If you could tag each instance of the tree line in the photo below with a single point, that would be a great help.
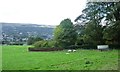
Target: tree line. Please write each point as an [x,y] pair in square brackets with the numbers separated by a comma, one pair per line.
[99,23]
[92,29]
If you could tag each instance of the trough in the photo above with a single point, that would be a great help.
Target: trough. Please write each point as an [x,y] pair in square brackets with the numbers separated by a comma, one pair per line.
[102,47]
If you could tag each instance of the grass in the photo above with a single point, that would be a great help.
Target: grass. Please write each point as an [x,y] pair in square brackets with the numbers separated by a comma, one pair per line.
[18,58]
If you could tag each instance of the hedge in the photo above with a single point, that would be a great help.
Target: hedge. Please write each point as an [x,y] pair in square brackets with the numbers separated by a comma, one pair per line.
[45,49]
[114,46]
[91,47]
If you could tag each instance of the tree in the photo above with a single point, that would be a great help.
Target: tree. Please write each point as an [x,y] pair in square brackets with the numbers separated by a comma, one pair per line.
[90,21]
[65,34]
[93,34]
[111,32]
[92,16]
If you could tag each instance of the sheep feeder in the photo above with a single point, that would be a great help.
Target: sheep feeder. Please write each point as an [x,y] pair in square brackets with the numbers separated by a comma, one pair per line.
[102,47]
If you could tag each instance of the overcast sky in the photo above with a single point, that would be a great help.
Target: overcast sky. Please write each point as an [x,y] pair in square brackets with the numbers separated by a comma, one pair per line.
[48,12]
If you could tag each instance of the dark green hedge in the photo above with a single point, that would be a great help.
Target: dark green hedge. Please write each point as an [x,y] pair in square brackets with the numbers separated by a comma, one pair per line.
[82,47]
[114,46]
[91,47]
[45,49]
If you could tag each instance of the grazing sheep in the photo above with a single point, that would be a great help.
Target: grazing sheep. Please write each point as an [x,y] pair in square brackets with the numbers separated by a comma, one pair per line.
[74,50]
[69,50]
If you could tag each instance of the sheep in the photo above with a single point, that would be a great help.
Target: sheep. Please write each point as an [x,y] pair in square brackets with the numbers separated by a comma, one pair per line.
[69,50]
[74,50]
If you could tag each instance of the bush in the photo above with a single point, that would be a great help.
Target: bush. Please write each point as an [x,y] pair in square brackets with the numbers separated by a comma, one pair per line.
[40,44]
[44,44]
[37,44]
[32,40]
[52,44]
[72,47]
[81,47]
[114,46]
[89,46]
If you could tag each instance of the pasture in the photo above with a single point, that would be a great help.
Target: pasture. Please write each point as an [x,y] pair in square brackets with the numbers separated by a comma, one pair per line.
[19,58]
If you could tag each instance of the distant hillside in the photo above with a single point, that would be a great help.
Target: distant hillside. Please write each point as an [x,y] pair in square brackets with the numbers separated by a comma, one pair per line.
[11,30]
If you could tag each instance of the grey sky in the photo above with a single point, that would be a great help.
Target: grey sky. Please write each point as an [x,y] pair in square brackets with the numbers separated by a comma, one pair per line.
[49,12]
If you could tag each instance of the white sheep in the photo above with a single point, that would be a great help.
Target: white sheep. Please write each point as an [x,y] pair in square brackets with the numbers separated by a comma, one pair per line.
[69,50]
[74,50]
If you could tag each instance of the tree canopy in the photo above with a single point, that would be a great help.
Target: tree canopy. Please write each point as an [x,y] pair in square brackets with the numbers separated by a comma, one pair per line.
[65,34]
[92,18]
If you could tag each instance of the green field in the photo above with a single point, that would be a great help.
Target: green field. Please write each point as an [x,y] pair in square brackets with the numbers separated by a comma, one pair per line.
[18,58]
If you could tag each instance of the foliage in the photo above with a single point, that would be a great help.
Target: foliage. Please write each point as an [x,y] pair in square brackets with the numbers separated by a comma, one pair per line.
[32,40]
[93,34]
[92,18]
[44,44]
[52,43]
[65,34]
[79,40]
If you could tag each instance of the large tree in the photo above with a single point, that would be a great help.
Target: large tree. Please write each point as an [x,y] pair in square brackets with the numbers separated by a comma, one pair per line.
[65,35]
[111,32]
[92,17]
[90,20]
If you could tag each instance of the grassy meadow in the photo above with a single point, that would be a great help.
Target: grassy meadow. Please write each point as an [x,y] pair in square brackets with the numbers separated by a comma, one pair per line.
[19,58]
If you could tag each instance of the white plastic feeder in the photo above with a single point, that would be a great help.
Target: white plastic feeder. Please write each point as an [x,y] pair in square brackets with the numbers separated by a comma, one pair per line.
[102,47]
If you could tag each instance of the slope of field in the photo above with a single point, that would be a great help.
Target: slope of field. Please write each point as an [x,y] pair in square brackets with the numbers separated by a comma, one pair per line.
[18,58]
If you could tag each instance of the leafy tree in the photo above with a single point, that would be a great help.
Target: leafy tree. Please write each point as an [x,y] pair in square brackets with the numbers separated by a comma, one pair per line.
[111,32]
[65,34]
[90,20]
[93,34]
[92,17]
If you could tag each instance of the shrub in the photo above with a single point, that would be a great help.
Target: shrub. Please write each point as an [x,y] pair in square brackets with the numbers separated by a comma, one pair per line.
[52,44]
[114,46]
[37,44]
[40,44]
[45,44]
[81,47]
[32,40]
[89,46]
